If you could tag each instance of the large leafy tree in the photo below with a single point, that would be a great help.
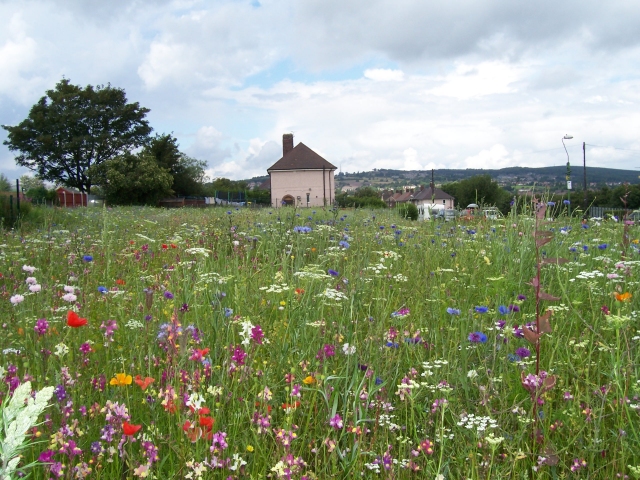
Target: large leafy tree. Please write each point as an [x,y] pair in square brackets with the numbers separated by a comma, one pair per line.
[132,179]
[72,129]
[480,189]
[188,173]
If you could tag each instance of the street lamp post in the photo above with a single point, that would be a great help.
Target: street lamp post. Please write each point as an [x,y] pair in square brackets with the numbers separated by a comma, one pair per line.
[568,177]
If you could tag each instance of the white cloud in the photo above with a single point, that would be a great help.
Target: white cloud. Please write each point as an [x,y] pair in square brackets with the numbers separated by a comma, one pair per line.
[495,157]
[384,75]
[379,84]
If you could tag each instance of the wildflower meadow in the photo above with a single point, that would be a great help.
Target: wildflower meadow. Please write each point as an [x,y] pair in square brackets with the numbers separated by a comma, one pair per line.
[319,343]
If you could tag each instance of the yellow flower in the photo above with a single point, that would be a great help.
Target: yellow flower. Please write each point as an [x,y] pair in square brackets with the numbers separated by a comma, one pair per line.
[309,380]
[249,448]
[121,380]
[283,303]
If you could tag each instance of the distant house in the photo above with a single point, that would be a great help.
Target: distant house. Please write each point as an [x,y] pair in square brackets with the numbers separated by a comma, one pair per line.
[432,196]
[70,197]
[301,177]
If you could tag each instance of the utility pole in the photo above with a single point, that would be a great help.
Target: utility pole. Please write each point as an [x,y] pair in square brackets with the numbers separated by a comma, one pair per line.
[584,163]
[568,137]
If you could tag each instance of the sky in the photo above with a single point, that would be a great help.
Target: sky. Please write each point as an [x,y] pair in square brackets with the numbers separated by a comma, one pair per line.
[400,84]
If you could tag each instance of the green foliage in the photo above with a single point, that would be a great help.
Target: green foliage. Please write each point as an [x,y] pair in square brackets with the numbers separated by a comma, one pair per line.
[72,129]
[9,211]
[133,180]
[235,191]
[481,190]
[42,195]
[5,184]
[188,173]
[408,211]
[366,197]
[28,182]
[259,197]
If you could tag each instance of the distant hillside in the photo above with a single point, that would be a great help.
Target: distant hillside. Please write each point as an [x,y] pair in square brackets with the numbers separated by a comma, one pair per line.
[551,177]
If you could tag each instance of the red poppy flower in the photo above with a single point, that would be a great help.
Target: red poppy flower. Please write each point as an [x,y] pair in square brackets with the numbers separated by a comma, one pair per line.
[287,406]
[173,245]
[144,383]
[74,320]
[204,411]
[119,281]
[165,246]
[129,429]
[258,404]
[206,422]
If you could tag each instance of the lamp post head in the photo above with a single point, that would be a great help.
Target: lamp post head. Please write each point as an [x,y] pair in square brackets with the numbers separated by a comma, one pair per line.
[567,137]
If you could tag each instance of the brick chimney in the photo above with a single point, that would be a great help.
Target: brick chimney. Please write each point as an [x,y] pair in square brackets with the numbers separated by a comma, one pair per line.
[287,143]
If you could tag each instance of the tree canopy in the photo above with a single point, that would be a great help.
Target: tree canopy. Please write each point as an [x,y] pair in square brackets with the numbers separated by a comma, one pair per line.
[5,184]
[479,189]
[72,129]
[132,179]
[188,173]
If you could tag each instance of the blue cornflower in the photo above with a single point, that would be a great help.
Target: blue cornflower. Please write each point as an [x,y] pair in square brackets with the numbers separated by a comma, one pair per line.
[453,311]
[392,345]
[228,312]
[333,273]
[87,258]
[482,309]
[344,244]
[503,310]
[567,202]
[551,204]
[477,337]
[602,246]
[379,381]
[585,247]
[102,289]
[303,229]
[168,295]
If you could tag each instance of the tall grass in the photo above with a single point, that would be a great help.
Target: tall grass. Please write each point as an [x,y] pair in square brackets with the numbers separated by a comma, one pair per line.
[362,346]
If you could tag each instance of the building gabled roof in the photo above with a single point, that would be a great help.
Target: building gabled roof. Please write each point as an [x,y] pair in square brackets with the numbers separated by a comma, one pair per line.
[301,157]
[429,193]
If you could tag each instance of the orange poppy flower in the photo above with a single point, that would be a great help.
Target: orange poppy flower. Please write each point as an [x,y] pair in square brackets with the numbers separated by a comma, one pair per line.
[623,297]
[129,429]
[119,281]
[74,320]
[144,383]
[299,291]
[287,406]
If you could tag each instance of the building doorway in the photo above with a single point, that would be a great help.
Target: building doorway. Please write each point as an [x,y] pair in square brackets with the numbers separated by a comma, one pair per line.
[288,200]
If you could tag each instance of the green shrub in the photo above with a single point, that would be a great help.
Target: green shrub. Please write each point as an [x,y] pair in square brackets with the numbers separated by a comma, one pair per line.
[9,211]
[408,211]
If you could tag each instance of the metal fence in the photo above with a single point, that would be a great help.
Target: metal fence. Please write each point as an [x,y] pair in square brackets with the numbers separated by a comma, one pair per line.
[607,211]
